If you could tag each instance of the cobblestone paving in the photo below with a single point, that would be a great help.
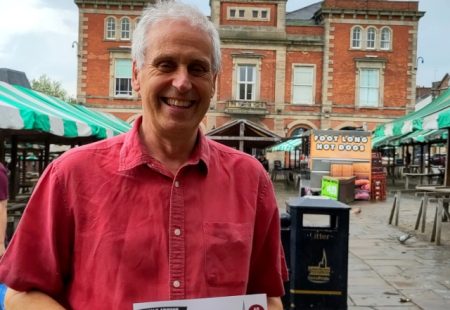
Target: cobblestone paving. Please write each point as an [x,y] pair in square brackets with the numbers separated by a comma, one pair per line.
[384,273]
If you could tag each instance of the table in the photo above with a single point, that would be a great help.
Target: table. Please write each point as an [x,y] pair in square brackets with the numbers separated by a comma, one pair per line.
[410,175]
[441,193]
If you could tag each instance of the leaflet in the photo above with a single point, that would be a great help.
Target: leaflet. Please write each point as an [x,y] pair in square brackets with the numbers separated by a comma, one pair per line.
[242,302]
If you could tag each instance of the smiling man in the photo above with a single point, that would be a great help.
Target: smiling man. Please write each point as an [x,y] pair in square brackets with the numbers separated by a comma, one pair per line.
[160,213]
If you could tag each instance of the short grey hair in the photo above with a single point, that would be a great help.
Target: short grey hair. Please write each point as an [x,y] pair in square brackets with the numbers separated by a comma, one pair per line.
[171,9]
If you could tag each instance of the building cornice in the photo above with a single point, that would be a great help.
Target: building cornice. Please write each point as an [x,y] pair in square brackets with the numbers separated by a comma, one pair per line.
[327,12]
[114,2]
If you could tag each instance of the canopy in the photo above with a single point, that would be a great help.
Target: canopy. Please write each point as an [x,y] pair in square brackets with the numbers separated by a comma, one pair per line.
[25,109]
[426,118]
[286,146]
[244,135]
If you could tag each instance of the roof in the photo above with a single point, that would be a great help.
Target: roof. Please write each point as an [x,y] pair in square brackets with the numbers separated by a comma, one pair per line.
[252,134]
[433,116]
[23,109]
[15,77]
[306,13]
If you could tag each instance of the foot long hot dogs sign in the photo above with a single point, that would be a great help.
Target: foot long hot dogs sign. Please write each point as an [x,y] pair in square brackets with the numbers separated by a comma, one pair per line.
[343,144]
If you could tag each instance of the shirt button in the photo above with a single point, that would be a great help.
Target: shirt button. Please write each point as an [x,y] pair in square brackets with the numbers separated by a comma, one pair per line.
[177,231]
[176,283]
[177,184]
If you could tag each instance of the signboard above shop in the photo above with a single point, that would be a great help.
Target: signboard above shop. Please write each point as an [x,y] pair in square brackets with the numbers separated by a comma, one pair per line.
[342,144]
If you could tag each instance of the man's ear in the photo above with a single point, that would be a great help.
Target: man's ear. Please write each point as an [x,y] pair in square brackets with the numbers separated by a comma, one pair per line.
[135,77]
[213,90]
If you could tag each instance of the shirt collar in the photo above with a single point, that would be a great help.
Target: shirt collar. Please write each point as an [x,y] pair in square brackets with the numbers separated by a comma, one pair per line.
[133,153]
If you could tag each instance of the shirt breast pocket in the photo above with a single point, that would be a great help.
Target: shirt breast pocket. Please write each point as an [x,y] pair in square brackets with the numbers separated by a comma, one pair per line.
[227,253]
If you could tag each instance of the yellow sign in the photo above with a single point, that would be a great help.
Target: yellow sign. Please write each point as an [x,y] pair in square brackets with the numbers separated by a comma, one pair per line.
[339,144]
[320,273]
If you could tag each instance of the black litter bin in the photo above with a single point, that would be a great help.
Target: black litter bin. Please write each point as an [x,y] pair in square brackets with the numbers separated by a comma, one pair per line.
[286,241]
[319,253]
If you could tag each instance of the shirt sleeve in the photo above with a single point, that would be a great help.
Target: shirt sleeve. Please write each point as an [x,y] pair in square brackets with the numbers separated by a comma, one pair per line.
[39,255]
[3,182]
[268,268]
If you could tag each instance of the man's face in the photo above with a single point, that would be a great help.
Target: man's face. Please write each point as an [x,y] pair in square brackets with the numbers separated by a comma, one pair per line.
[176,82]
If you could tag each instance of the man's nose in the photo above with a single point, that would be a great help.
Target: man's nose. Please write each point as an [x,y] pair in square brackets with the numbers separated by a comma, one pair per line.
[181,80]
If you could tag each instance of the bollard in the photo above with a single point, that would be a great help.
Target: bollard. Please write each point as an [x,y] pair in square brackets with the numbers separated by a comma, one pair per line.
[319,253]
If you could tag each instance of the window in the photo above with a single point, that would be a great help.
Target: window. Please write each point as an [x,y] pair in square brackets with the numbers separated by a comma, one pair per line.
[369,87]
[371,38]
[385,42]
[264,14]
[246,81]
[122,74]
[248,13]
[298,131]
[356,37]
[303,85]
[110,28]
[125,29]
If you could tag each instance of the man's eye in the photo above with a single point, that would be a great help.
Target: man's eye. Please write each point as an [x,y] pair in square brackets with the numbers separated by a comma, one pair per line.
[197,69]
[165,66]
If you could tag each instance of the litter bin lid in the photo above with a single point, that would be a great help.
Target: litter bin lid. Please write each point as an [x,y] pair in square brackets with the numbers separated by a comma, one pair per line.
[315,202]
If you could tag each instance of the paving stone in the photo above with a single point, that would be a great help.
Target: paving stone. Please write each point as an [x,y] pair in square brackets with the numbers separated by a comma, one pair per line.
[381,270]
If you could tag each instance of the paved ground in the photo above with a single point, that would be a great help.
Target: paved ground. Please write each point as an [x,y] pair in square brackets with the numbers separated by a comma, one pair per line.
[384,273]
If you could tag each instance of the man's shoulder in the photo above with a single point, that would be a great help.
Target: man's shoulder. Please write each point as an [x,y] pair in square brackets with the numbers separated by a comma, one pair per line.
[88,154]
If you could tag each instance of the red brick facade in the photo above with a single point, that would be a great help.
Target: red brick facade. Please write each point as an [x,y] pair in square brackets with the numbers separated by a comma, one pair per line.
[303,56]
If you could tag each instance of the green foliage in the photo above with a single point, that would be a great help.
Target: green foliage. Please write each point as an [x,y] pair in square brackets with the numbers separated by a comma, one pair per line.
[45,85]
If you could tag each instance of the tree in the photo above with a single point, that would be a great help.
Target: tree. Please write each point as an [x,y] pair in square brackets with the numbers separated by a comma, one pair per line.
[45,85]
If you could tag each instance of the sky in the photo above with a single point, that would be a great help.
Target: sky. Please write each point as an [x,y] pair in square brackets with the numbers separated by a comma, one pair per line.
[37,37]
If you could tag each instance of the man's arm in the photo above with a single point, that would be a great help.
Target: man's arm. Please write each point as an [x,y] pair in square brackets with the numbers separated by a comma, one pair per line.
[34,300]
[274,303]
[3,223]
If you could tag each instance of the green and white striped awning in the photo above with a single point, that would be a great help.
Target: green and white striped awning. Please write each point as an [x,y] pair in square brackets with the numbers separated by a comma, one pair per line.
[286,146]
[25,109]
[443,119]
[432,117]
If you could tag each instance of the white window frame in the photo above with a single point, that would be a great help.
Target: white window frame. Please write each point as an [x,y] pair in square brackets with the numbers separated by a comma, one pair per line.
[358,40]
[242,81]
[368,89]
[125,33]
[300,86]
[248,13]
[266,13]
[386,43]
[361,66]
[110,32]
[116,80]
[241,60]
[371,38]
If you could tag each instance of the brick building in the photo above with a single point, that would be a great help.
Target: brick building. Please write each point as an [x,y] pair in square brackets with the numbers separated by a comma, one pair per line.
[334,64]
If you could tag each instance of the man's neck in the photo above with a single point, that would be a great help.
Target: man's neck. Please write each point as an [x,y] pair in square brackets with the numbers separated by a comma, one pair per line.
[171,151]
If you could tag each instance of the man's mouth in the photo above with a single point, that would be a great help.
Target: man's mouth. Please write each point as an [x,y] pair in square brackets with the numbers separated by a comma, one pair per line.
[178,102]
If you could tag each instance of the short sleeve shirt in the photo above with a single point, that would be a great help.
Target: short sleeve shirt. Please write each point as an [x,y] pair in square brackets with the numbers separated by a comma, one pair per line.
[3,182]
[108,226]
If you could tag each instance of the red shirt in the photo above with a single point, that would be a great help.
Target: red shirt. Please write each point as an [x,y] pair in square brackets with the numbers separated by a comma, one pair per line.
[108,225]
[3,183]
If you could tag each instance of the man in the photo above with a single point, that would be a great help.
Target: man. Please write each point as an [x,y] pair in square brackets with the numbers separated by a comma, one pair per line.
[3,206]
[158,213]
[4,190]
